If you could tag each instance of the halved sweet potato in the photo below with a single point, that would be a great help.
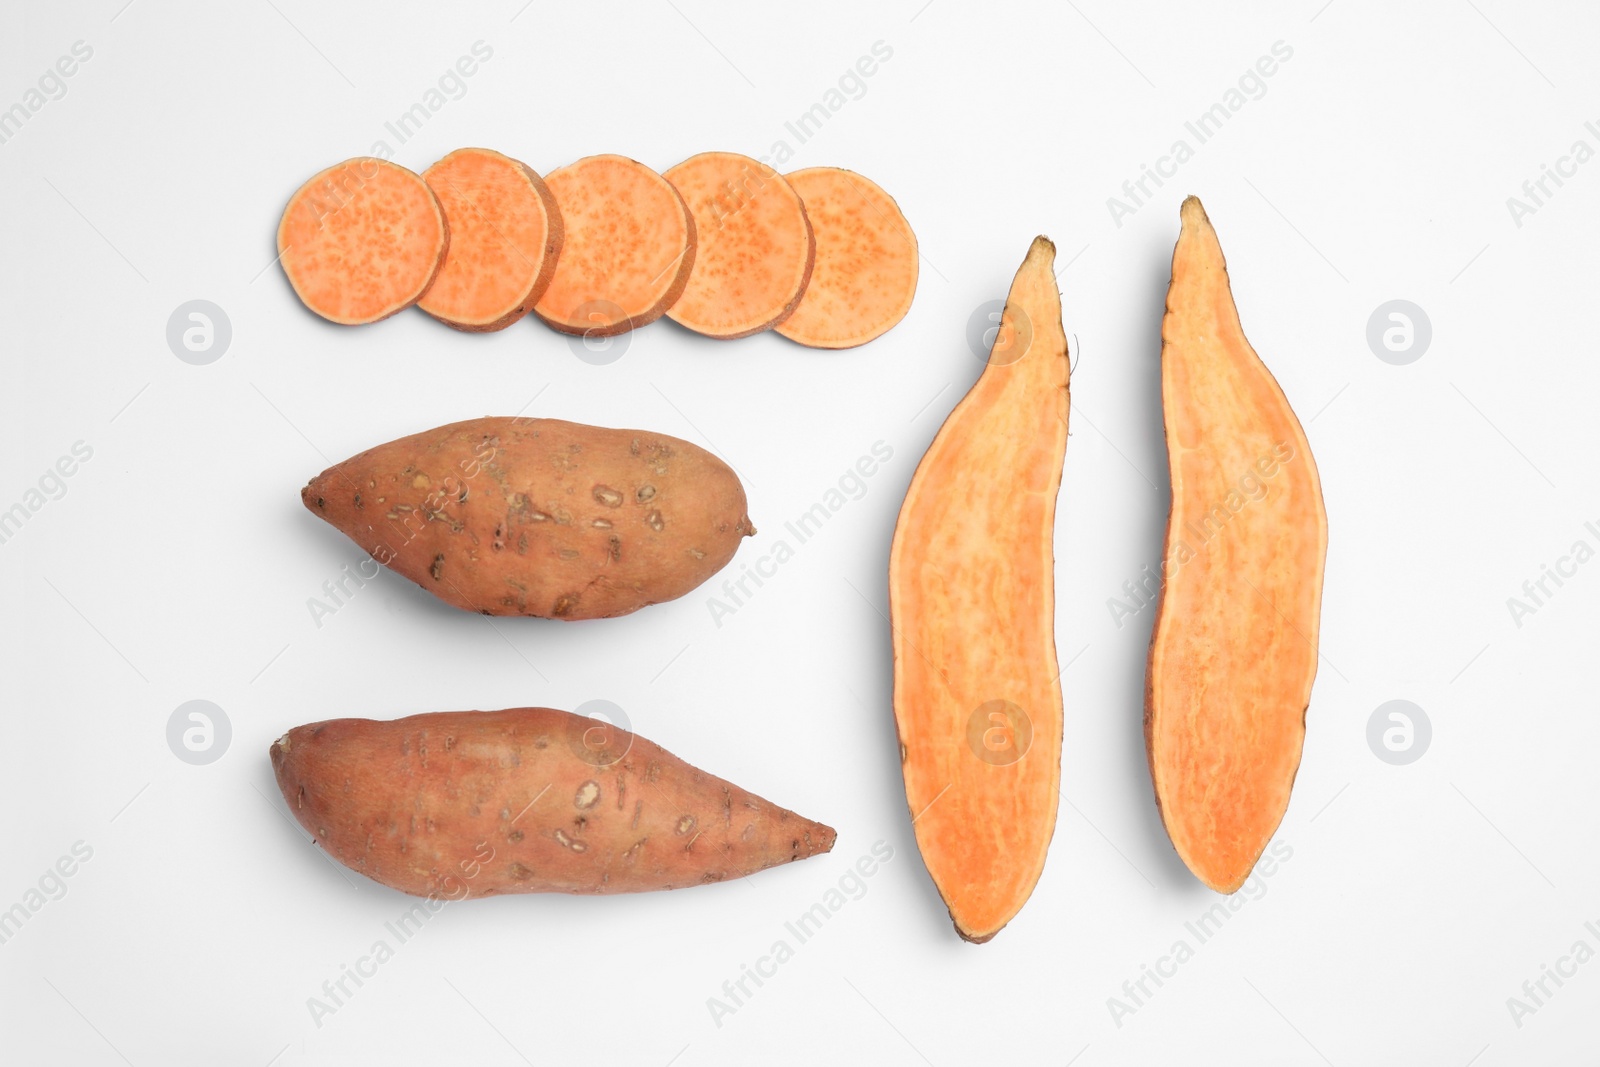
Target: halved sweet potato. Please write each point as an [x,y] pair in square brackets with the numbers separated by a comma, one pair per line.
[866,270]
[505,238]
[1234,649]
[756,246]
[362,240]
[629,247]
[977,697]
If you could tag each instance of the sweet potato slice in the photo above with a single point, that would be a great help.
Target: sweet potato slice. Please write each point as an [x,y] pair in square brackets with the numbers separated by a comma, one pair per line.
[756,246]
[530,800]
[362,240]
[977,697]
[629,247]
[1234,649]
[866,270]
[505,238]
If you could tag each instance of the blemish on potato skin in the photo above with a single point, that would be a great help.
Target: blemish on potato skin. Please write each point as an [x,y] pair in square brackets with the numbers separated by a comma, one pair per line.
[588,795]
[564,605]
[655,521]
[685,824]
[514,836]
[438,566]
[638,809]
[568,842]
[519,872]
[646,493]
[608,496]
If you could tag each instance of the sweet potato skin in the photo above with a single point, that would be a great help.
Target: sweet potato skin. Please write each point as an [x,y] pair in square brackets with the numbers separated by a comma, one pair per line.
[527,800]
[514,516]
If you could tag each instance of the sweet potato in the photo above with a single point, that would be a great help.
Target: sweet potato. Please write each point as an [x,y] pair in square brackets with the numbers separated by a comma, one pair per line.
[756,246]
[630,245]
[1234,650]
[530,800]
[977,698]
[510,516]
[866,270]
[505,238]
[362,240]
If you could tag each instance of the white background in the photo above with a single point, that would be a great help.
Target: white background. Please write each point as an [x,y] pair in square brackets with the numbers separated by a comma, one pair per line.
[179,563]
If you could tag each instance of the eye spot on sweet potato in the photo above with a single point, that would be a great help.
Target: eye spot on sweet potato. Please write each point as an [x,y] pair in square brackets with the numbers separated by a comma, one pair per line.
[514,836]
[646,493]
[655,521]
[601,524]
[422,481]
[567,553]
[564,605]
[608,496]
[569,842]
[685,824]
[438,566]
[588,795]
[614,547]
[519,872]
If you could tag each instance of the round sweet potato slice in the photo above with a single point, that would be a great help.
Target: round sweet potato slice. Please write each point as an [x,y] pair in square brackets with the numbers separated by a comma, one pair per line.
[628,249]
[756,247]
[866,270]
[505,238]
[362,240]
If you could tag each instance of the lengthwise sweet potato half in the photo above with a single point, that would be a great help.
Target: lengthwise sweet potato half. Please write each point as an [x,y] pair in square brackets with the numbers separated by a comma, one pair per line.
[1234,649]
[529,800]
[866,270]
[362,240]
[756,247]
[505,239]
[629,247]
[977,698]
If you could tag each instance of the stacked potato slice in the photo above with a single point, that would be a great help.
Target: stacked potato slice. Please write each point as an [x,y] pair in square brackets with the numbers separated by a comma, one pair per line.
[721,243]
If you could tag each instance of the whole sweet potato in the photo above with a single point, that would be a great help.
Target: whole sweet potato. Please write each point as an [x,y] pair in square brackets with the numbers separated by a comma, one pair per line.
[512,516]
[529,800]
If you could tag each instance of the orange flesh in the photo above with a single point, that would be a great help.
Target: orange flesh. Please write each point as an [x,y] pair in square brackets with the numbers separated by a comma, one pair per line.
[1234,649]
[505,237]
[362,240]
[866,270]
[756,247]
[972,601]
[629,247]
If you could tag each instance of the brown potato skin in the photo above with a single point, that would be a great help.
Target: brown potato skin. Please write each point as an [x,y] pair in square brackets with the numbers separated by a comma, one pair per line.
[528,800]
[514,516]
